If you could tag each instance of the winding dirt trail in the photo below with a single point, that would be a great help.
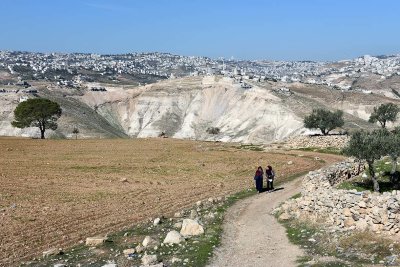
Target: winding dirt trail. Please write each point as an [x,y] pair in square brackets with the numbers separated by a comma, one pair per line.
[253,237]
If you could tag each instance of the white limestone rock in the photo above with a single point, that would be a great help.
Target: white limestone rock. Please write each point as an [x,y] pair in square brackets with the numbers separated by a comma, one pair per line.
[173,237]
[191,228]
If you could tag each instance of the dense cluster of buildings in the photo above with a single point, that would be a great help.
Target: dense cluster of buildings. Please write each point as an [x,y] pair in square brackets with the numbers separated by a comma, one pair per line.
[72,69]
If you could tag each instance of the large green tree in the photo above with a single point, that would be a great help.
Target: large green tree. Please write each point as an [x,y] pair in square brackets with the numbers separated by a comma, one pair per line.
[37,112]
[369,146]
[324,120]
[384,113]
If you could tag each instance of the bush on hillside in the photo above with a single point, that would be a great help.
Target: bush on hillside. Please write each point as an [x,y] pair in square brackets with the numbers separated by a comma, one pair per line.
[213,130]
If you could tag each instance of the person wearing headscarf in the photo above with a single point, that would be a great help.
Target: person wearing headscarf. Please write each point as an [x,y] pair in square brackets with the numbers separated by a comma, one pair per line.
[270,175]
[258,178]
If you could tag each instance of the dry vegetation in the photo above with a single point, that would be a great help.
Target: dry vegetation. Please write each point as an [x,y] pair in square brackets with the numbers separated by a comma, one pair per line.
[55,193]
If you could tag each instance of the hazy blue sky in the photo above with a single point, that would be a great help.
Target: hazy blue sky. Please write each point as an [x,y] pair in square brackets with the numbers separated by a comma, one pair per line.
[247,29]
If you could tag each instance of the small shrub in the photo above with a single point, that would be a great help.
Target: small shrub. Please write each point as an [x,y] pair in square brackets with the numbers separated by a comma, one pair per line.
[213,130]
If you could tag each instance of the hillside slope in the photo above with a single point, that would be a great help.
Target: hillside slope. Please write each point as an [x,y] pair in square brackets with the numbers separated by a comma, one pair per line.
[187,107]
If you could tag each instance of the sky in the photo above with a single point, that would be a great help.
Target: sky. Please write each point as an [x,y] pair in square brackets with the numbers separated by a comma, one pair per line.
[243,29]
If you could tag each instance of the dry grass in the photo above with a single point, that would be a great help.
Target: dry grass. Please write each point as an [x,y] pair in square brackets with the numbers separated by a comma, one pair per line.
[56,192]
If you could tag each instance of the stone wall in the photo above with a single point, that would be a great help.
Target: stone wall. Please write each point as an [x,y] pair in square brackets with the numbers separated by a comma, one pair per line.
[344,209]
[339,141]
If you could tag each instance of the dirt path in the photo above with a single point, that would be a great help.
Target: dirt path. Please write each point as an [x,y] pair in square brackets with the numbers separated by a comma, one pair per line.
[253,237]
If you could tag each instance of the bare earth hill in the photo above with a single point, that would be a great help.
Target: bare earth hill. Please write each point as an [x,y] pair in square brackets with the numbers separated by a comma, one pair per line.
[187,107]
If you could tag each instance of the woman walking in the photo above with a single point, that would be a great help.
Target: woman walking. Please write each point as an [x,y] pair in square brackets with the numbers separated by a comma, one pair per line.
[258,177]
[270,175]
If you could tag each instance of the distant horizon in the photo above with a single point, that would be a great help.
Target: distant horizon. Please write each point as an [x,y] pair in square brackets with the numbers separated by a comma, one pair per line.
[273,30]
[174,54]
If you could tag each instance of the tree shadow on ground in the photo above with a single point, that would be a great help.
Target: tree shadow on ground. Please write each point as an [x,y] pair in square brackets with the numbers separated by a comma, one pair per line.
[384,186]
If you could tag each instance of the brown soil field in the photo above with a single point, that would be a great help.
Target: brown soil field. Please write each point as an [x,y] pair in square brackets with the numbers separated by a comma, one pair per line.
[54,193]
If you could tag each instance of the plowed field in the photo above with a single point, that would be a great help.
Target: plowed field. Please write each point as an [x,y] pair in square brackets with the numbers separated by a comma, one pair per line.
[54,193]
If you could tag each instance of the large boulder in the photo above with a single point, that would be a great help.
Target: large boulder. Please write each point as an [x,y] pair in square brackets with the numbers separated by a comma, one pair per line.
[191,228]
[173,237]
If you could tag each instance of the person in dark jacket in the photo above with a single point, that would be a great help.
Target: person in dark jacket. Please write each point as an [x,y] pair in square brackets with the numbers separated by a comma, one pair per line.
[270,175]
[258,177]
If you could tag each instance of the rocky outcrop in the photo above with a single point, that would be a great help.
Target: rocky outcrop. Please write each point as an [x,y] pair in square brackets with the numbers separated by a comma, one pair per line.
[344,209]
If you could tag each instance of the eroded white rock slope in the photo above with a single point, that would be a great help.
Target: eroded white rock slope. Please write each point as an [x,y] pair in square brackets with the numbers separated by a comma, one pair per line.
[185,108]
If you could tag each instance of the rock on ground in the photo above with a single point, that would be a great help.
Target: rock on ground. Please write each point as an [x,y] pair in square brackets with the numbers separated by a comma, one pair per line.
[173,237]
[149,241]
[156,221]
[95,241]
[51,252]
[149,259]
[128,251]
[178,225]
[191,228]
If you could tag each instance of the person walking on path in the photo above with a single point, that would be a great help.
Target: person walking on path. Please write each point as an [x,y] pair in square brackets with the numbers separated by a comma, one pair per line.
[258,177]
[270,175]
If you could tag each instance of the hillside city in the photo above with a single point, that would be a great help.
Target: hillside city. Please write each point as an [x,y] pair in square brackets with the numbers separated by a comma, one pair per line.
[73,69]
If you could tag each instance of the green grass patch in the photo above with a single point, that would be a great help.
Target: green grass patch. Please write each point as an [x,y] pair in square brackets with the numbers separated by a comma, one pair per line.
[298,195]
[250,147]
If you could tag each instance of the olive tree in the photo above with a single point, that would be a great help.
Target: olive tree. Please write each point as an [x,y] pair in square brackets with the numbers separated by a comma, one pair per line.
[37,112]
[393,150]
[324,120]
[384,113]
[368,146]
